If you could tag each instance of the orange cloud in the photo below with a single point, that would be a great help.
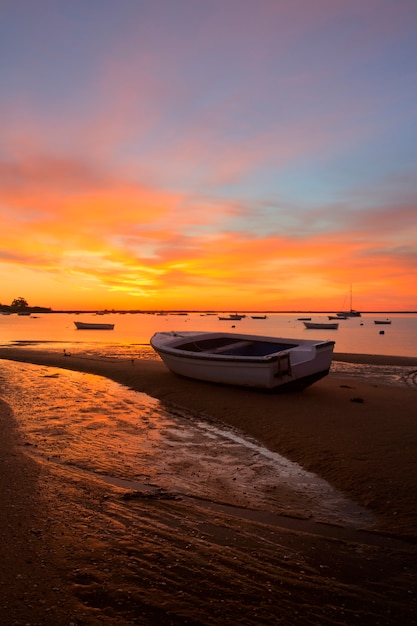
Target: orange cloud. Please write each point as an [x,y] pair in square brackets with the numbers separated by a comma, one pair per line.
[79,236]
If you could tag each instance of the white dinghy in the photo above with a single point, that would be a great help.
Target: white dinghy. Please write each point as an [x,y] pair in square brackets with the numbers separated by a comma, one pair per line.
[91,326]
[322,325]
[273,363]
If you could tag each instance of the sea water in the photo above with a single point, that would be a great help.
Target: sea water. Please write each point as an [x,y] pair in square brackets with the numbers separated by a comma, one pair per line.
[132,332]
[355,335]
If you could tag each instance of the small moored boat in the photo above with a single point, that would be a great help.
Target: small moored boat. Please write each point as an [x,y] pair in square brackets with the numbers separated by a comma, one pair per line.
[233,317]
[382,321]
[272,363]
[350,313]
[322,325]
[91,326]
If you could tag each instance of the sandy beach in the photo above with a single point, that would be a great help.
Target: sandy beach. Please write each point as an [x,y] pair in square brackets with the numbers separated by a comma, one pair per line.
[77,552]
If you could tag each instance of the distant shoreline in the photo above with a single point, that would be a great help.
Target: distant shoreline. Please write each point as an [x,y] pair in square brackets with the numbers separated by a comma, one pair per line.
[202,311]
[347,357]
[375,359]
[24,348]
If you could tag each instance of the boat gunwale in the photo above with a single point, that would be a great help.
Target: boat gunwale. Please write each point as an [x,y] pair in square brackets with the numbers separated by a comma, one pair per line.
[218,357]
[223,358]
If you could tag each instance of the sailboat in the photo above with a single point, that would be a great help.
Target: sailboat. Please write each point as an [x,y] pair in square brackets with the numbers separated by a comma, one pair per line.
[351,312]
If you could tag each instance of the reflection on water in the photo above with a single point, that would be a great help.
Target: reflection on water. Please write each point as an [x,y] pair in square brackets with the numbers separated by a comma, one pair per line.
[94,425]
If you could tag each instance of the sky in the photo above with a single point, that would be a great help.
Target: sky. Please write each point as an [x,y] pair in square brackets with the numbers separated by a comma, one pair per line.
[209,154]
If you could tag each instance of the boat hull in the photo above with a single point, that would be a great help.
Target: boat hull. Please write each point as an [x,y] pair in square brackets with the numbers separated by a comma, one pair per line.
[267,363]
[88,326]
[319,326]
[351,313]
[232,318]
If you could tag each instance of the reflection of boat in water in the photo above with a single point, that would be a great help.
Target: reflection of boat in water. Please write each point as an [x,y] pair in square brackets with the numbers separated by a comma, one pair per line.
[322,325]
[339,316]
[245,360]
[382,321]
[91,326]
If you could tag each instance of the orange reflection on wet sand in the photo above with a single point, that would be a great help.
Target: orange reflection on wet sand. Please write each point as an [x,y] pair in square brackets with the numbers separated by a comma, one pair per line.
[91,424]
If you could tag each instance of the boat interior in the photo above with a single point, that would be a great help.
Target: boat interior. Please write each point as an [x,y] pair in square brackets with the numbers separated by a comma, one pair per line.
[236,347]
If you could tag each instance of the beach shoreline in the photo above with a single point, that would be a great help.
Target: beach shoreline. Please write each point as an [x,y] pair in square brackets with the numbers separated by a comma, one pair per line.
[336,412]
[360,437]
[376,359]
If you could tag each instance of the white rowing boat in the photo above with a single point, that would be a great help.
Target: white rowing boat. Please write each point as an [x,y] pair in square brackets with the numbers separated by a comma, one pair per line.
[246,360]
[91,326]
[322,325]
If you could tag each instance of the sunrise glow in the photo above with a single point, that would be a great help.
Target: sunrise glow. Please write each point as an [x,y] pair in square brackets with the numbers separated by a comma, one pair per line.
[209,156]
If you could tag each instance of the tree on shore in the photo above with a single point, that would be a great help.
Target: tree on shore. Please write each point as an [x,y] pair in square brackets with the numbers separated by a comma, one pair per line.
[19,304]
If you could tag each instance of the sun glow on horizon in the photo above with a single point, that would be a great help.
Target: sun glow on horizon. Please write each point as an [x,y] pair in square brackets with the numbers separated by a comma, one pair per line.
[266,163]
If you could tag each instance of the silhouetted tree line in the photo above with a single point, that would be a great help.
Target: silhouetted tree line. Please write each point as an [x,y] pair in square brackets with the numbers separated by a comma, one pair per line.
[20,304]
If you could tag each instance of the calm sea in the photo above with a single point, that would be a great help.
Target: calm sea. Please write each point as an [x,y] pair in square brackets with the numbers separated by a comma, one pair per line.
[133,331]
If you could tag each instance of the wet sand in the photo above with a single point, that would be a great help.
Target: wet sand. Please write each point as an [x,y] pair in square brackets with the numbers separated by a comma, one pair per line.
[73,552]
